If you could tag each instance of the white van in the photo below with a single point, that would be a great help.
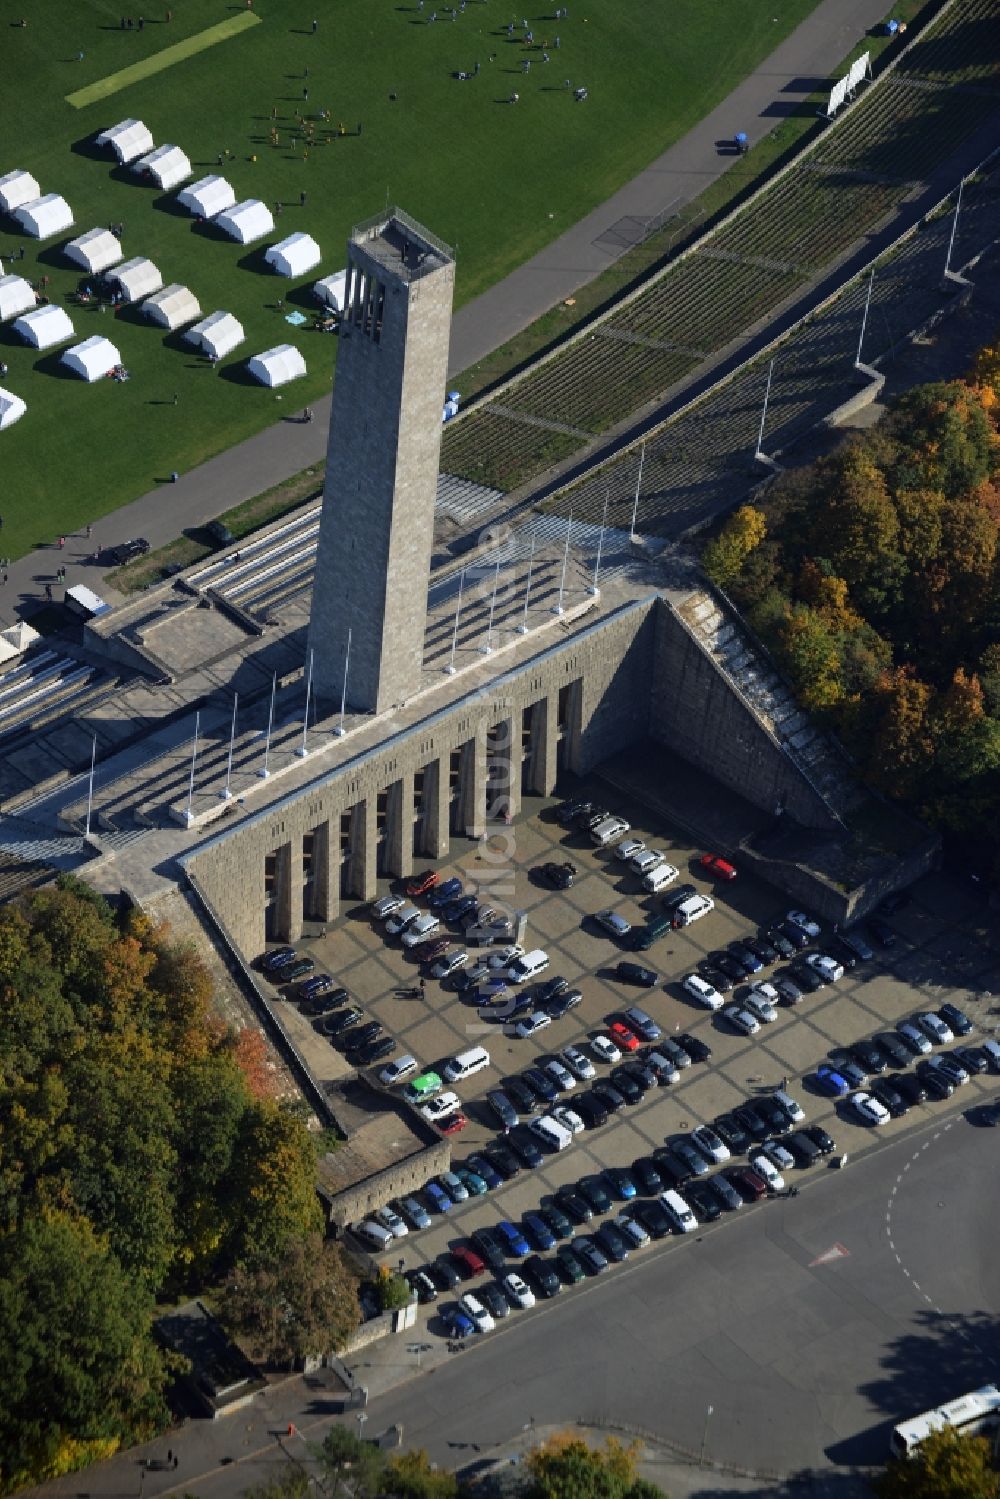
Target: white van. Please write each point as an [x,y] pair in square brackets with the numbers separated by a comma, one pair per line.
[374,1234]
[609,831]
[705,993]
[395,1072]
[677,1210]
[523,970]
[466,1063]
[659,878]
[553,1134]
[692,909]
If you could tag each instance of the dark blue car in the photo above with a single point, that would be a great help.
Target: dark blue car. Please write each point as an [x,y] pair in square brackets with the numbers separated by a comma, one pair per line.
[457,1323]
[513,1239]
[445,894]
[541,1234]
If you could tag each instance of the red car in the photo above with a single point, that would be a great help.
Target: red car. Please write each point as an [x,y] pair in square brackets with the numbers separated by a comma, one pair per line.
[623,1037]
[748,1184]
[721,868]
[452,1124]
[421,883]
[468,1261]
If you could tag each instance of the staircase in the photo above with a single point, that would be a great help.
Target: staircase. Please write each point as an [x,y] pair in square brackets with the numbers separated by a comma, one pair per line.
[760,685]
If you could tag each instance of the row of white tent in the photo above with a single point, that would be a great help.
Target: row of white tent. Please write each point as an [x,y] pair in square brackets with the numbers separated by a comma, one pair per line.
[39,214]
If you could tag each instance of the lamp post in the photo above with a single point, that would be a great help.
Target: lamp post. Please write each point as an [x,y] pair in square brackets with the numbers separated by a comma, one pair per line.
[704,1434]
[264,772]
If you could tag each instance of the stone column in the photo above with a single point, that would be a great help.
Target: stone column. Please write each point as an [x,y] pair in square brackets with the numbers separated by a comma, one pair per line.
[399,826]
[436,837]
[363,876]
[505,791]
[472,785]
[544,745]
[326,870]
[574,727]
[288,892]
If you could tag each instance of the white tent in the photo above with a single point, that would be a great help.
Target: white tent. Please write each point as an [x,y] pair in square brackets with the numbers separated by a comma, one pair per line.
[16,188]
[43,217]
[128,139]
[167,166]
[93,359]
[207,197]
[95,250]
[137,278]
[217,335]
[330,291]
[294,256]
[248,221]
[12,408]
[278,365]
[14,641]
[44,327]
[172,307]
[15,296]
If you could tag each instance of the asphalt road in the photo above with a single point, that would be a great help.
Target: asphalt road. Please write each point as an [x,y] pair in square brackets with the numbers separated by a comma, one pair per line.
[807,1326]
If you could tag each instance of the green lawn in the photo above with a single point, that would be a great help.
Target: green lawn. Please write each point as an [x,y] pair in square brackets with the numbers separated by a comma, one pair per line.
[496,181]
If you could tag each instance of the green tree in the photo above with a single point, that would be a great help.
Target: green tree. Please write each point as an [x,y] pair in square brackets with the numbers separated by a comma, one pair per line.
[81,1372]
[394,1290]
[410,1476]
[355,1466]
[723,558]
[303,1302]
[945,437]
[273,1185]
[809,649]
[947,1465]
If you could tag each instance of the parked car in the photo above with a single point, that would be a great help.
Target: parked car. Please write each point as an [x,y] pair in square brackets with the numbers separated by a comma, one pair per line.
[956,1019]
[623,1036]
[868,1109]
[581,1066]
[559,876]
[832,1081]
[881,931]
[828,968]
[605,1049]
[696,1049]
[717,867]
[804,922]
[517,1291]
[542,1275]
[419,884]
[741,1019]
[635,973]
[935,1028]
[613,923]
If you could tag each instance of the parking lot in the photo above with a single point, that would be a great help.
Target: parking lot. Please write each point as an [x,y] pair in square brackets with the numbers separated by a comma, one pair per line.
[943,952]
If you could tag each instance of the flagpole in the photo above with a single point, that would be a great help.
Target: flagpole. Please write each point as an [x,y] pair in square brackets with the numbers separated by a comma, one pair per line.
[339,730]
[189,816]
[226,792]
[90,786]
[303,749]
[264,773]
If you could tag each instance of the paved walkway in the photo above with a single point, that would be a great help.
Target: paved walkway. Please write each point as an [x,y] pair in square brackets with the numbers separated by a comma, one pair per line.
[781,81]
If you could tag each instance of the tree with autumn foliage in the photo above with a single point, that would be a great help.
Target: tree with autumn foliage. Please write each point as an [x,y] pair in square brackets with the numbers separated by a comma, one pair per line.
[137,1143]
[724,557]
[946,1465]
[303,1301]
[566,1468]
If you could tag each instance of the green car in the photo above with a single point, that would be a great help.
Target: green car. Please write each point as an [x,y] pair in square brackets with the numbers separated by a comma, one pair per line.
[473,1184]
[569,1264]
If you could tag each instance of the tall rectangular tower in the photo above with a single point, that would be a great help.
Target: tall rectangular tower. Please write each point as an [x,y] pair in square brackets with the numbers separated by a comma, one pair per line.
[377,522]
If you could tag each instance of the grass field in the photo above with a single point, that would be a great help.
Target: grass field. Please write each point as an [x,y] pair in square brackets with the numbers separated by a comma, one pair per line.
[495,181]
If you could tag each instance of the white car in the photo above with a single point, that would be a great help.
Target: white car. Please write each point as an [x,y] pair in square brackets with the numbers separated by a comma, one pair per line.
[914,1037]
[805,922]
[581,1066]
[477,1314]
[869,1109]
[933,1026]
[517,1291]
[759,1005]
[766,991]
[705,993]
[647,861]
[766,1168]
[629,848]
[633,1231]
[385,905]
[440,1107]
[710,1144]
[418,931]
[604,1049]
[504,956]
[449,964]
[567,1117]
[392,1221]
[828,968]
[401,918]
[613,923]
[560,1075]
[742,1019]
[374,1234]
[532,1024]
